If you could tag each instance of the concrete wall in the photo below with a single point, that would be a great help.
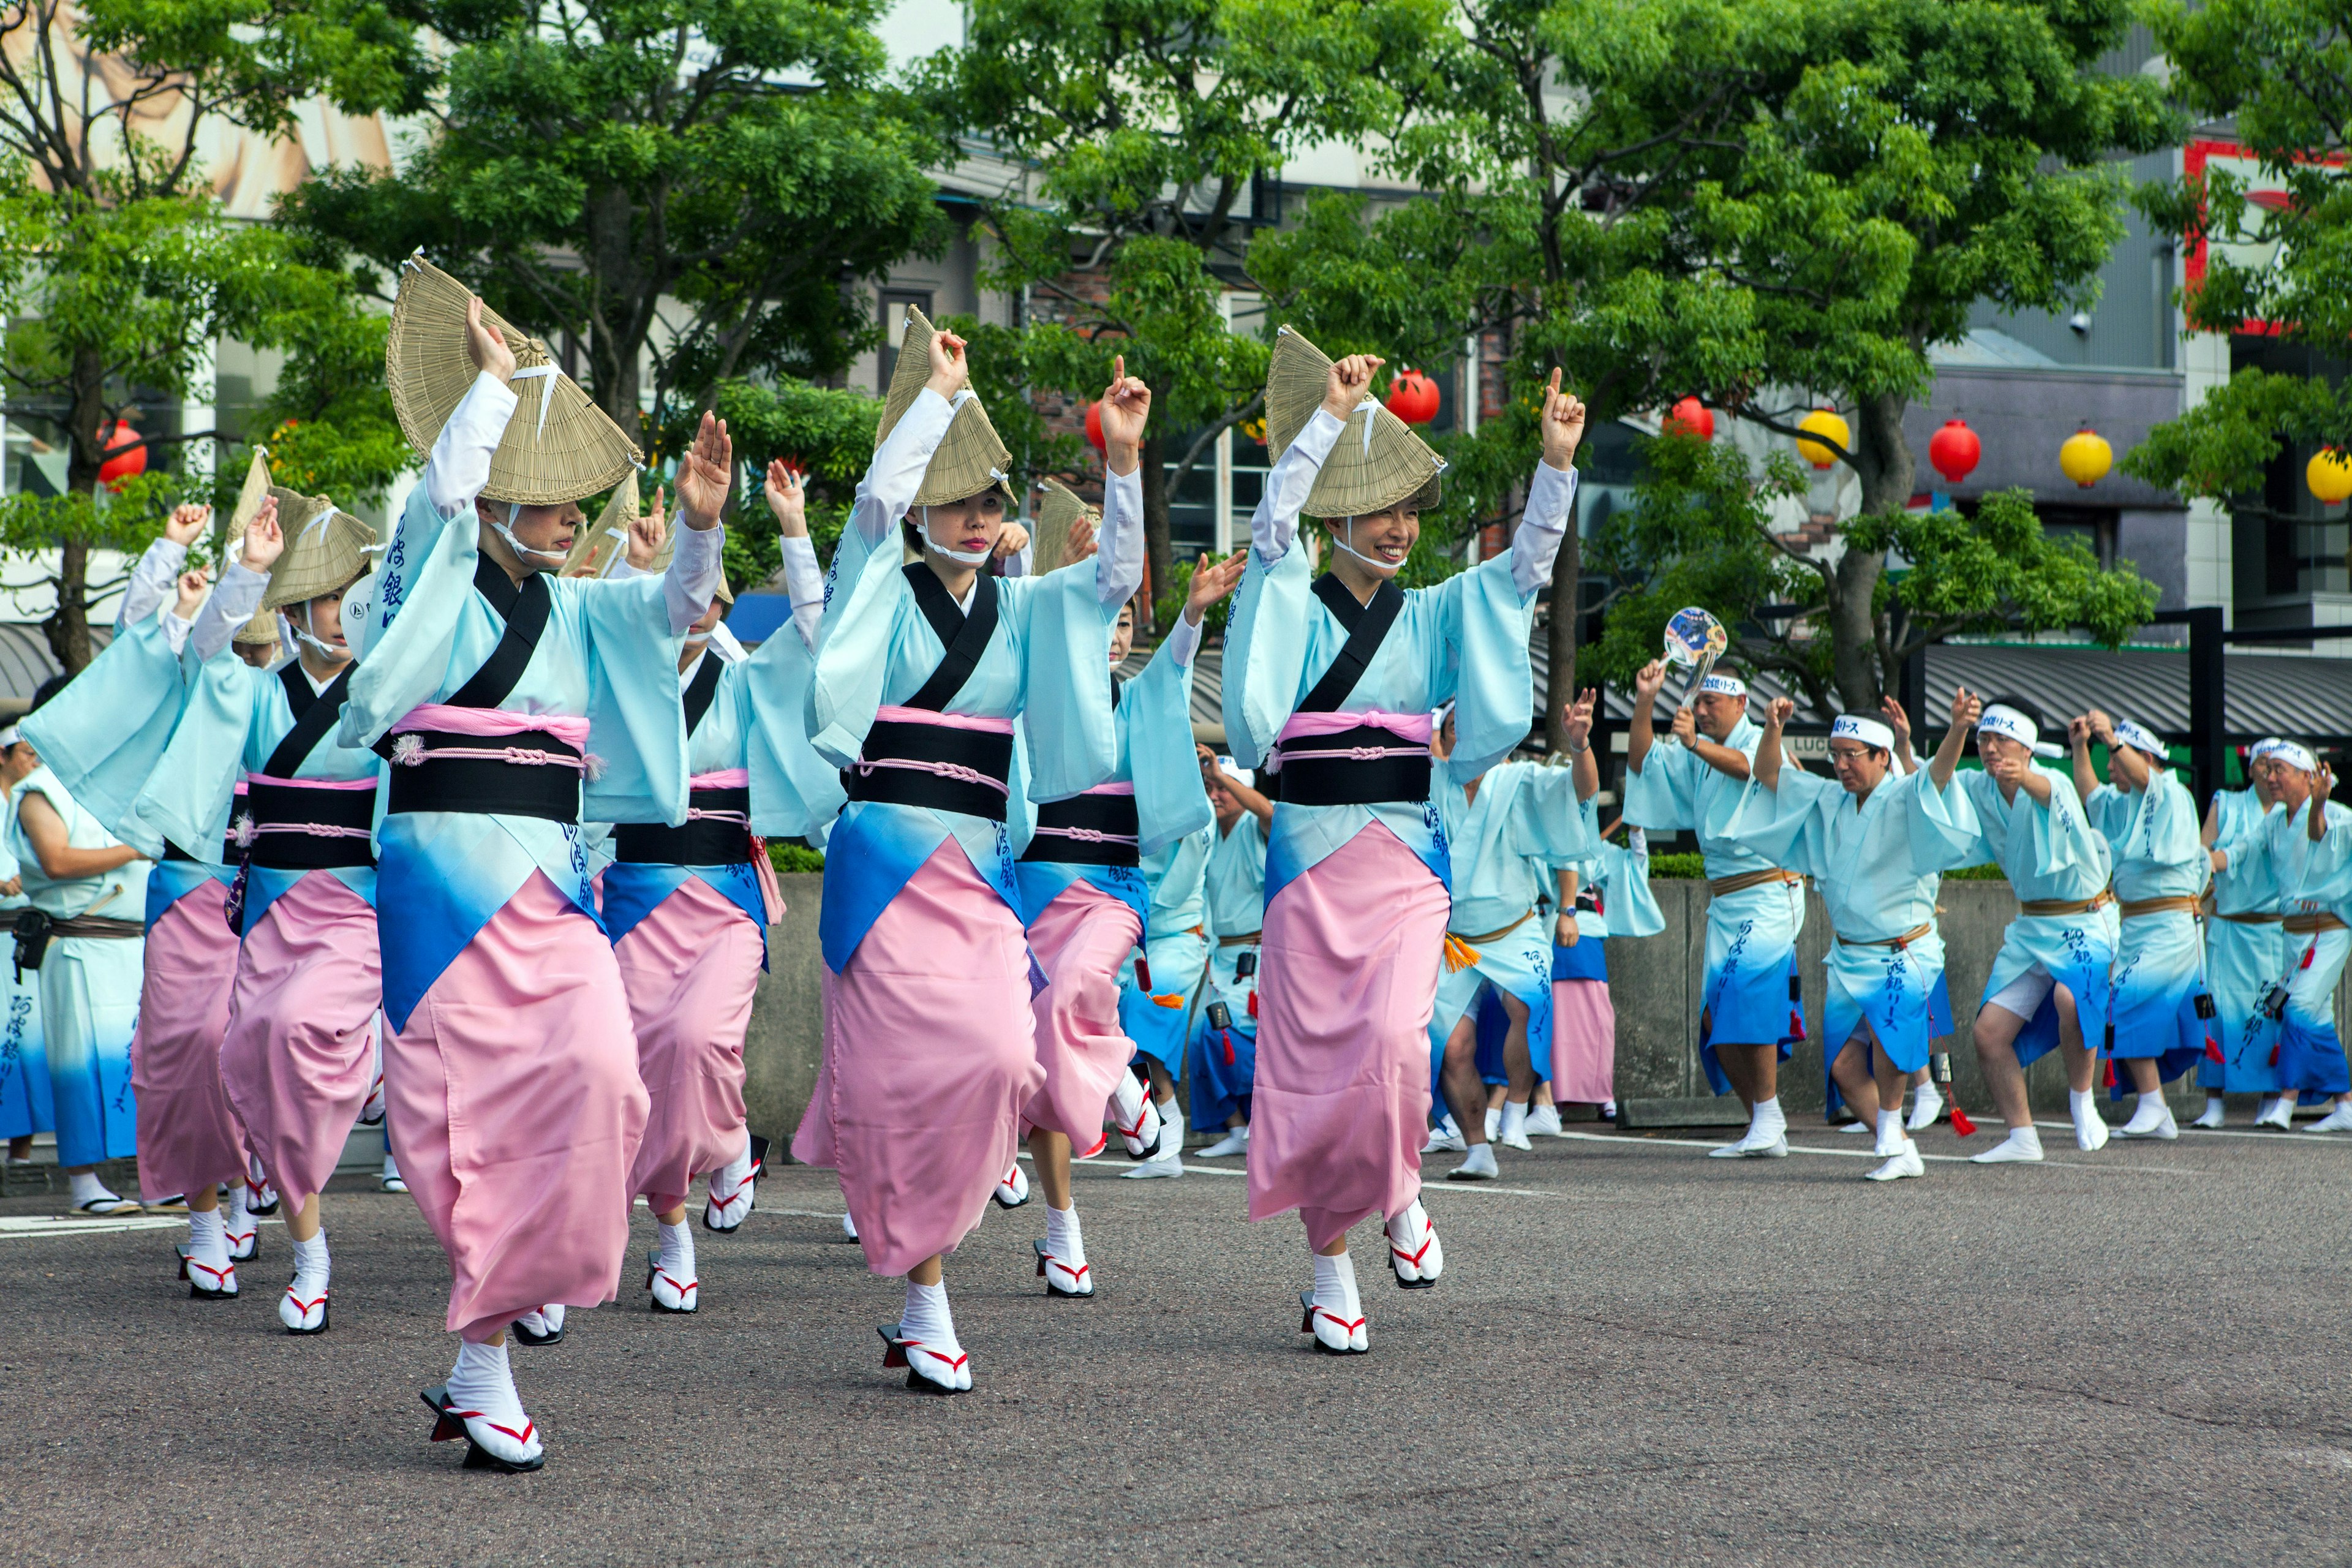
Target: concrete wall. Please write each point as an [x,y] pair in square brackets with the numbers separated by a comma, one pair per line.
[1654,981]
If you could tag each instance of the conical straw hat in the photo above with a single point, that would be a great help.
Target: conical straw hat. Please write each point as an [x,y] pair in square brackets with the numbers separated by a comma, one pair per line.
[597,547]
[1059,508]
[971,459]
[325,550]
[558,448]
[249,497]
[261,631]
[1378,460]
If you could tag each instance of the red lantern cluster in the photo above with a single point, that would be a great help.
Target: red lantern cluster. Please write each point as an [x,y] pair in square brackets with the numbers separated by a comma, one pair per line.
[1094,429]
[1955,450]
[125,450]
[1413,398]
[1689,418]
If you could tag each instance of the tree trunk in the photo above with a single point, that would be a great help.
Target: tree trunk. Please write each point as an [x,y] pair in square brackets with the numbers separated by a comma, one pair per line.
[612,350]
[1567,634]
[1158,551]
[67,627]
[1884,461]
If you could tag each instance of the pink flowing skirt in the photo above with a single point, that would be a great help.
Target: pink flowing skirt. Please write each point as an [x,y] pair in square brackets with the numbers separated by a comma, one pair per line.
[516,1112]
[188,1136]
[1346,986]
[1080,941]
[301,1048]
[930,1056]
[1584,1042]
[690,968]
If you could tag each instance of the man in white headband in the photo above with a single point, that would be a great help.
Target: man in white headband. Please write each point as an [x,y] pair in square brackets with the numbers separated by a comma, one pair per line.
[2244,944]
[1877,857]
[2052,969]
[2159,1017]
[1752,1017]
[2304,848]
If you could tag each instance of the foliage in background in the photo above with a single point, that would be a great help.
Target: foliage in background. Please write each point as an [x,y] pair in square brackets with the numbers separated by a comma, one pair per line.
[789,854]
[594,165]
[1139,131]
[2281,70]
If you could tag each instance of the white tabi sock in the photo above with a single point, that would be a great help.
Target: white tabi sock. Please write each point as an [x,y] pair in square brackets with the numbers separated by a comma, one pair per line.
[1127,1098]
[88,1189]
[1335,1286]
[1890,1132]
[208,1240]
[927,1317]
[1063,1238]
[1767,1123]
[2147,1114]
[730,1176]
[1515,1121]
[676,1251]
[1494,1123]
[1171,1142]
[312,1266]
[483,1380]
[2082,1104]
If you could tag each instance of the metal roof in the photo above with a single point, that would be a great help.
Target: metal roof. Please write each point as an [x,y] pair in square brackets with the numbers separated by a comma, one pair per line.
[26,660]
[2265,694]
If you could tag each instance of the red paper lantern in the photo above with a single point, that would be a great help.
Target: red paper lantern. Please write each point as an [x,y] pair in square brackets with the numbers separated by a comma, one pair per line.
[1413,398]
[1690,417]
[126,452]
[1954,450]
[1093,429]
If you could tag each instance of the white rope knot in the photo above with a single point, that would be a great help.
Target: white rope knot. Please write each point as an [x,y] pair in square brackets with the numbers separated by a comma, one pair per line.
[241,835]
[407,751]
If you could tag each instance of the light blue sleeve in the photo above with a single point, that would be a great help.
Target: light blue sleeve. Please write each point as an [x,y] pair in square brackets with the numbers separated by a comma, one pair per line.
[2063,838]
[1785,824]
[1265,653]
[103,734]
[2327,873]
[794,794]
[188,797]
[2109,812]
[403,632]
[2172,836]
[1662,795]
[1156,709]
[1632,908]
[636,726]
[1066,711]
[1546,822]
[1944,824]
[1481,660]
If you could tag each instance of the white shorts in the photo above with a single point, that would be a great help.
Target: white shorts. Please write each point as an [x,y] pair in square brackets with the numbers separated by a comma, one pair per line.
[2023,996]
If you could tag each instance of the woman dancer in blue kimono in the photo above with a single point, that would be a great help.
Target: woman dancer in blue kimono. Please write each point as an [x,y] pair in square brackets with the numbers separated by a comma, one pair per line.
[930,1050]
[2243,943]
[2309,851]
[2159,1029]
[2049,983]
[1331,682]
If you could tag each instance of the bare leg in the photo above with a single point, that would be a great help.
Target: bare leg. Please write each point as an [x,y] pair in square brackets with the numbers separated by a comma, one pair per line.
[1995,1034]
[1517,1065]
[927,1272]
[675,1214]
[1855,1081]
[1465,1097]
[1049,1151]
[1889,1083]
[1735,1062]
[2144,1077]
[205,1198]
[303,1226]
[1163,1087]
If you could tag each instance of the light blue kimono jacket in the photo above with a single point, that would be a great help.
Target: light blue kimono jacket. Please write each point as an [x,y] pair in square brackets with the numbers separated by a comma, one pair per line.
[609,653]
[2243,957]
[1048,665]
[1175,946]
[1464,640]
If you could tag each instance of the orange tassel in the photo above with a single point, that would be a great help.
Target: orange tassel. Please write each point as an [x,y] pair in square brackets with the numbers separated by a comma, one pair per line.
[1173,999]
[1459,955]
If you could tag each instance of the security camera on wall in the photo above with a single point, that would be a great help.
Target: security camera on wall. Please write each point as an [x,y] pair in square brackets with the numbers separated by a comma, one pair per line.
[2080,323]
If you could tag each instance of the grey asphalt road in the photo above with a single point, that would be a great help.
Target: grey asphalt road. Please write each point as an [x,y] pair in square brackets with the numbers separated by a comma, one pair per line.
[1637,1355]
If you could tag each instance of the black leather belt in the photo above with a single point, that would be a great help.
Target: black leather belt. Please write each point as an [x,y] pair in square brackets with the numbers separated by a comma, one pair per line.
[280,813]
[704,841]
[980,753]
[1350,780]
[1079,819]
[480,785]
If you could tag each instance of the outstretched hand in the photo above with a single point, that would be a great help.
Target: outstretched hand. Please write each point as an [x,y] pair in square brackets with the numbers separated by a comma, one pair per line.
[1967,709]
[186,521]
[787,496]
[1344,388]
[705,475]
[1011,541]
[485,345]
[1212,581]
[1779,711]
[646,532]
[264,539]
[1563,424]
[1896,719]
[951,372]
[191,594]
[1576,718]
[1649,680]
[1126,408]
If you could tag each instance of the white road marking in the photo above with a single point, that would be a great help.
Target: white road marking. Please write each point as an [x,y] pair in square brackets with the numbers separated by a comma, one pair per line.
[2191,1134]
[1874,1155]
[37,1226]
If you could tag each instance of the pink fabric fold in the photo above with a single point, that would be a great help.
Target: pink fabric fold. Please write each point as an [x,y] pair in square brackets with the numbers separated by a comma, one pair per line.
[300,1050]
[1128,788]
[1410,726]
[929,1057]
[1584,1041]
[309,784]
[894,714]
[725,778]
[690,968]
[1346,986]
[516,1112]
[188,1136]
[1080,941]
[570,729]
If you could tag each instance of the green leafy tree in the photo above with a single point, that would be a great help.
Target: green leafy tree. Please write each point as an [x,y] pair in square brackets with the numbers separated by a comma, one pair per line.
[2281,70]
[1140,131]
[682,187]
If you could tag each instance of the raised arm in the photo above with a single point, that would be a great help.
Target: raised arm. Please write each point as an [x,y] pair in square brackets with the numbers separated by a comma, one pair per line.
[241,587]
[1551,494]
[152,580]
[2129,760]
[1215,778]
[1274,526]
[703,479]
[1768,749]
[1966,708]
[1643,732]
[459,464]
[2319,794]
[1722,759]
[1118,554]
[1576,730]
[1900,722]
[787,497]
[2078,743]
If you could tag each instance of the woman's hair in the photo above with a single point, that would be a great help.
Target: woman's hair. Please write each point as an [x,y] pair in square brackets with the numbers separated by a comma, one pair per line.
[49,688]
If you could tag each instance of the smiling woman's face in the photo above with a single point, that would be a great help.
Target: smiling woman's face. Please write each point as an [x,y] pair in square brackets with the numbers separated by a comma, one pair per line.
[1386,537]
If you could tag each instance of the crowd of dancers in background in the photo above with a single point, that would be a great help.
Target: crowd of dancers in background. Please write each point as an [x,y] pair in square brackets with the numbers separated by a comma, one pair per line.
[462,832]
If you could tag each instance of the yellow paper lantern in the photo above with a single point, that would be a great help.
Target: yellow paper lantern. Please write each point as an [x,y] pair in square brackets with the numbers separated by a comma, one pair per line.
[2086,457]
[1824,423]
[2329,475]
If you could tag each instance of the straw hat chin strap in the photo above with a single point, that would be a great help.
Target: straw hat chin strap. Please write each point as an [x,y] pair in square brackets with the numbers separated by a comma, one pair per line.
[523,553]
[1385,568]
[967,557]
